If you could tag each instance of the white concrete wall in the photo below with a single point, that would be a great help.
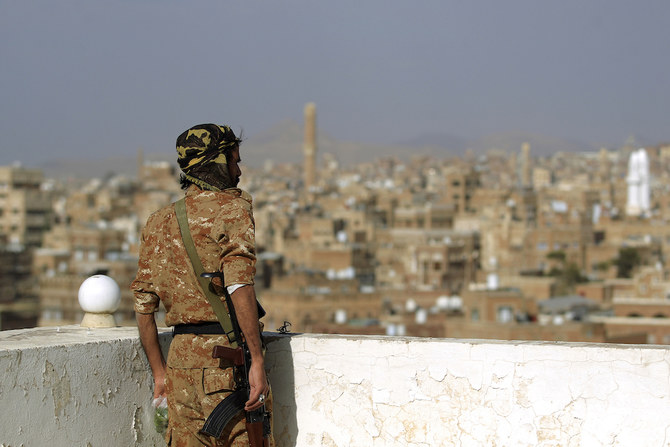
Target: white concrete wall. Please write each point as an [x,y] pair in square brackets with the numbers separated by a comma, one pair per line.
[379,391]
[77,387]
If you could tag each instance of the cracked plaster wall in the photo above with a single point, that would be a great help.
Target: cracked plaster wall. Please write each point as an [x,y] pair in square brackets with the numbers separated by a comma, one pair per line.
[75,387]
[93,388]
[379,391]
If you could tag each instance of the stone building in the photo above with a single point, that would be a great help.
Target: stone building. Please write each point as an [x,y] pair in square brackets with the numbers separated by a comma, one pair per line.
[460,186]
[307,298]
[18,288]
[25,209]
[25,215]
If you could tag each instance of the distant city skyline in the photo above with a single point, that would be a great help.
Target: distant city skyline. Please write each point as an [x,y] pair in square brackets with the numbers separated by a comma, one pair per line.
[83,80]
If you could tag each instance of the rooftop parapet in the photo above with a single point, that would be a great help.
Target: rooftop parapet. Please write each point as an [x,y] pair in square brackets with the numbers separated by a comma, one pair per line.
[78,386]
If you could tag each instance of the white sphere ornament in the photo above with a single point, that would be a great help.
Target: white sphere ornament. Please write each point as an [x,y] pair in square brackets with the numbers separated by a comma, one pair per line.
[99,298]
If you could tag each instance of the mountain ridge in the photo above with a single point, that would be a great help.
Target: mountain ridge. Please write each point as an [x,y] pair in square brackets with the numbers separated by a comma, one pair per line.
[282,143]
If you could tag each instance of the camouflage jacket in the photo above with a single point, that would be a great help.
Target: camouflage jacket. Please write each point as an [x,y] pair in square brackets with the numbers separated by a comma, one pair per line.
[222,226]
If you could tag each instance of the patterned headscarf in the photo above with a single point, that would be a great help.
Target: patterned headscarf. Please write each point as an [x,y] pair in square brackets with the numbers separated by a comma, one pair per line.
[203,146]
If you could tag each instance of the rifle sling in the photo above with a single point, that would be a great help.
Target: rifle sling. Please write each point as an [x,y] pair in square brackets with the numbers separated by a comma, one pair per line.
[214,300]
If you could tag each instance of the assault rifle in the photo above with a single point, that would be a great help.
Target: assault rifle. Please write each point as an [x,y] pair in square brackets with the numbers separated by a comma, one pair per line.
[257,421]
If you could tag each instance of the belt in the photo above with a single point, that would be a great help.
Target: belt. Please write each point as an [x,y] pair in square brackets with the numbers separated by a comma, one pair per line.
[198,328]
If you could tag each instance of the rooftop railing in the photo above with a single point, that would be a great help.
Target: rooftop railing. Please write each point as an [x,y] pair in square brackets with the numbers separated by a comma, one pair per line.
[73,386]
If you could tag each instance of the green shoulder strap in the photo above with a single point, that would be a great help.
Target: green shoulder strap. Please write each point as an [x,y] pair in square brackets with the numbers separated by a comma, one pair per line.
[214,300]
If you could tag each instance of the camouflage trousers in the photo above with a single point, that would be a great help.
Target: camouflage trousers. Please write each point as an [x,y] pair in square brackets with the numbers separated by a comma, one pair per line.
[192,395]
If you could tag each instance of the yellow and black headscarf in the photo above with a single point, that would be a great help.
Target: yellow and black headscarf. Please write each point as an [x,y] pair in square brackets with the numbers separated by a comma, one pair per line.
[202,146]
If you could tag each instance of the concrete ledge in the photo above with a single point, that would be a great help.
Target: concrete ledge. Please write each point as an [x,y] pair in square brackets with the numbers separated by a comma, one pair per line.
[72,386]
[381,391]
[76,386]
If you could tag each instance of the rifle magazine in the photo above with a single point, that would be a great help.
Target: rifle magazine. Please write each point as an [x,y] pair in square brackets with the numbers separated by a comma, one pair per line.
[224,412]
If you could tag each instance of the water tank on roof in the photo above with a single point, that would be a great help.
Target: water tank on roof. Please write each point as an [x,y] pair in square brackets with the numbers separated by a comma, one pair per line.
[410,305]
[421,316]
[340,316]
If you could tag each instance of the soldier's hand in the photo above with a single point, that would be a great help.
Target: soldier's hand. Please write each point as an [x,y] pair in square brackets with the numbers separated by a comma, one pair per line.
[258,384]
[159,387]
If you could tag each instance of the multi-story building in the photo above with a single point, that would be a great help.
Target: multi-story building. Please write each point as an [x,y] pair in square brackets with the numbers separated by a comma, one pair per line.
[25,215]
[18,288]
[460,186]
[25,209]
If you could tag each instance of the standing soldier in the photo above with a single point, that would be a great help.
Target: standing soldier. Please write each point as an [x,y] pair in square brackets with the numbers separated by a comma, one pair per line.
[220,218]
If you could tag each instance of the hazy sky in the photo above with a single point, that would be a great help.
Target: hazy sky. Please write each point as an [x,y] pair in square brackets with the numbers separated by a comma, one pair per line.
[94,79]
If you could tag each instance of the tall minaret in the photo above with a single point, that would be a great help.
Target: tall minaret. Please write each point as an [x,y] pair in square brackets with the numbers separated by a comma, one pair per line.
[604,168]
[309,145]
[525,165]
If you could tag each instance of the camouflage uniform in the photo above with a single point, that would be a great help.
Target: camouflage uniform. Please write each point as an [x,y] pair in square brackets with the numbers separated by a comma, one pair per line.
[222,227]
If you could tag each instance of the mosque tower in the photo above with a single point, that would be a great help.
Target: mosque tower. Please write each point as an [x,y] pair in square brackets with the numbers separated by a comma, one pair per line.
[604,167]
[638,203]
[309,145]
[525,165]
